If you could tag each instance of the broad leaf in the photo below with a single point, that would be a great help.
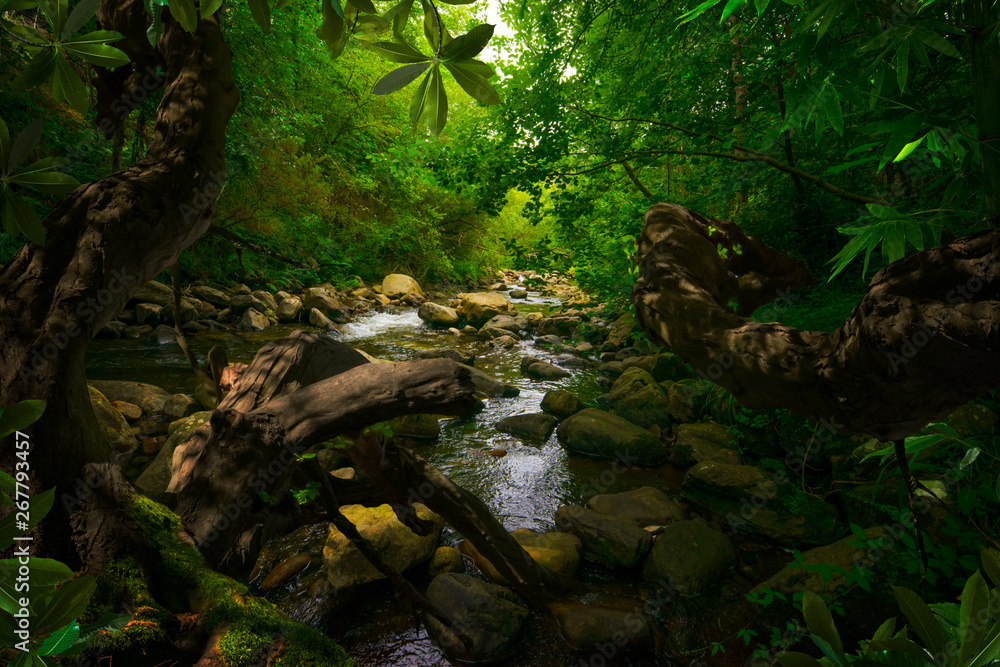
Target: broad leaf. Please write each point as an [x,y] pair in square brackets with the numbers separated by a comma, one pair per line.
[761,6]
[331,31]
[419,100]
[25,143]
[469,45]
[973,615]
[795,659]
[478,67]
[921,618]
[18,215]
[185,13]
[437,103]
[60,640]
[95,37]
[78,18]
[208,7]
[472,83]
[99,54]
[399,78]
[399,53]
[68,603]
[66,85]
[41,571]
[38,506]
[56,11]
[820,621]
[731,6]
[365,6]
[36,73]
[991,563]
[991,647]
[261,13]
[5,145]
[399,15]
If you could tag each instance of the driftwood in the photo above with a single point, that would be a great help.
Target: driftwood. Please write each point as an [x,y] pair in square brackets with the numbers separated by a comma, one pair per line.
[307,389]
[924,340]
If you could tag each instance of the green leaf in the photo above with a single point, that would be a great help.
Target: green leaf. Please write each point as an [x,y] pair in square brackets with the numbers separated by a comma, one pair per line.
[437,103]
[399,15]
[208,7]
[434,27]
[908,148]
[820,622]
[990,559]
[108,621]
[731,6]
[56,11]
[795,659]
[185,13]
[69,602]
[885,630]
[939,43]
[66,85]
[36,73]
[101,55]
[41,571]
[921,618]
[82,13]
[419,100]
[902,64]
[25,143]
[761,6]
[5,146]
[399,78]
[467,46]
[261,13]
[60,640]
[896,649]
[834,112]
[991,647]
[331,31]
[475,85]
[697,11]
[95,37]
[38,506]
[18,214]
[155,29]
[478,67]
[974,612]
[365,6]
[399,53]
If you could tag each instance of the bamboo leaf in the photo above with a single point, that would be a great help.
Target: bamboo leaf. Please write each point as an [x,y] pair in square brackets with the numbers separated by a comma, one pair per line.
[908,148]
[399,52]
[475,85]
[939,43]
[697,11]
[399,78]
[902,64]
[731,7]
[834,112]
[921,618]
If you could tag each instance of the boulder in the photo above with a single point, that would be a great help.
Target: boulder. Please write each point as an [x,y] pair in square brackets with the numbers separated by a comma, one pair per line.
[541,370]
[478,308]
[535,427]
[561,403]
[600,434]
[445,559]
[664,367]
[148,313]
[437,315]
[179,406]
[265,297]
[704,441]
[396,285]
[191,309]
[422,427]
[557,551]
[114,424]
[163,334]
[330,306]
[492,617]
[113,329]
[155,479]
[688,398]
[518,293]
[148,397]
[211,295]
[455,355]
[550,340]
[243,302]
[284,571]
[621,329]
[490,386]
[320,321]
[289,309]
[637,397]
[689,556]
[606,539]
[645,506]
[254,321]
[749,501]
[611,368]
[399,546]
[559,326]
[973,420]
[508,341]
[130,411]
[508,323]
[153,292]
[619,624]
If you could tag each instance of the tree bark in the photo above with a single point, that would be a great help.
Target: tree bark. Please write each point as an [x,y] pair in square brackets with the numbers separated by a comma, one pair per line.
[924,340]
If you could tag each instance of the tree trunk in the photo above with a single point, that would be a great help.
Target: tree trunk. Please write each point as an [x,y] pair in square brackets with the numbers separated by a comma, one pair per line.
[924,340]
[985,52]
[106,239]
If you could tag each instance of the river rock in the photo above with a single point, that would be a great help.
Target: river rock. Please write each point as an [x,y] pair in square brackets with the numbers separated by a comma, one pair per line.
[114,424]
[490,386]
[621,329]
[557,551]
[478,308]
[163,334]
[445,559]
[422,427]
[242,302]
[457,356]
[559,326]
[611,369]
[148,313]
[508,341]
[664,367]
[331,307]
[191,309]
[600,434]
[155,479]
[973,420]
[561,403]
[492,617]
[437,315]
[541,370]
[535,427]
[706,441]
[153,292]
[113,329]
[637,397]
[511,324]
[645,506]
[148,397]
[284,571]
[254,321]
[265,297]
[689,556]
[320,321]
[619,624]
[399,546]
[688,398]
[396,285]
[211,295]
[519,293]
[606,539]
[179,406]
[767,505]
[289,309]
[130,411]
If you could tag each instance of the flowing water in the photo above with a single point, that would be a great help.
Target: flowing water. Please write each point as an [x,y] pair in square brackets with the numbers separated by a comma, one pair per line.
[523,488]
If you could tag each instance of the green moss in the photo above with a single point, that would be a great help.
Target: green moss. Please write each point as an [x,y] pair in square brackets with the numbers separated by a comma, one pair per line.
[253,622]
